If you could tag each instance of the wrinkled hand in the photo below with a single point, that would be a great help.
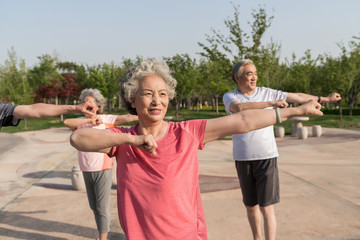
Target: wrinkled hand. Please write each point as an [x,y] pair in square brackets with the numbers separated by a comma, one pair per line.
[281,104]
[334,97]
[96,121]
[311,107]
[87,108]
[146,143]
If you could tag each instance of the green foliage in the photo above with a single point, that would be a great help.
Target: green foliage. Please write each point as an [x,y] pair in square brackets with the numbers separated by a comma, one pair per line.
[14,85]
[45,72]
[237,44]
[345,110]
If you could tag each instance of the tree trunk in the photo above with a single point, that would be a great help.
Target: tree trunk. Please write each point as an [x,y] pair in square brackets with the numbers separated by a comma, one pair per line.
[108,104]
[188,103]
[217,105]
[340,111]
[177,107]
[120,102]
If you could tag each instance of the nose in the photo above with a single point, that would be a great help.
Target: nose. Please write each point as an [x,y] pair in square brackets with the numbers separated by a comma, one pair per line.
[155,99]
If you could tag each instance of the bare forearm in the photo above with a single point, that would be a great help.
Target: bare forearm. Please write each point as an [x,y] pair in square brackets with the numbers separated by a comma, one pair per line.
[260,118]
[121,119]
[241,122]
[73,123]
[303,97]
[40,110]
[96,140]
[300,97]
[239,107]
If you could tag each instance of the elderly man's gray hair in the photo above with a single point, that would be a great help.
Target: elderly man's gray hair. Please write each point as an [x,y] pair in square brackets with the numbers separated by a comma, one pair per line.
[238,68]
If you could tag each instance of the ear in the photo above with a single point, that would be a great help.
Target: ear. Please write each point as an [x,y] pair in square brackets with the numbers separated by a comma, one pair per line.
[133,104]
[236,78]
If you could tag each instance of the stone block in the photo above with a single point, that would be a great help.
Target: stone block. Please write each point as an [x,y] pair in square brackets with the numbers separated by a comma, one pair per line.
[77,179]
[279,131]
[302,132]
[316,131]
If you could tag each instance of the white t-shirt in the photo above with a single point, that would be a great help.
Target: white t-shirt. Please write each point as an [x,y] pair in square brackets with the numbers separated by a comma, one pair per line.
[258,144]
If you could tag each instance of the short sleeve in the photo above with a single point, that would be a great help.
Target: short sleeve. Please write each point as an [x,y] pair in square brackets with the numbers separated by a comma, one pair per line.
[114,149]
[109,118]
[196,129]
[7,115]
[228,98]
[279,95]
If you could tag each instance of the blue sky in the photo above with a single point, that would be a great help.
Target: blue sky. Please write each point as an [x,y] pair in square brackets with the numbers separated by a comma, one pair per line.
[93,32]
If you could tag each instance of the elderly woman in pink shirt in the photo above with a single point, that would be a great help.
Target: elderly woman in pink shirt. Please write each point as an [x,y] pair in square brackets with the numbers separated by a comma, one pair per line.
[157,164]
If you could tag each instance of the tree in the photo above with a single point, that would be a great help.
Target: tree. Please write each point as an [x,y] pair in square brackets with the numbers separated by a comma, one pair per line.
[45,72]
[14,85]
[183,70]
[224,51]
[238,44]
[213,80]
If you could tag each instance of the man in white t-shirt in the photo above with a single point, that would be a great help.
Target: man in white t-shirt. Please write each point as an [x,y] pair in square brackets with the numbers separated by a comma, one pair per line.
[255,153]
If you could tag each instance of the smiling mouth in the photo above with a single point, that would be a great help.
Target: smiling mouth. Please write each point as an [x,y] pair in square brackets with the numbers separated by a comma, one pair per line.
[156,111]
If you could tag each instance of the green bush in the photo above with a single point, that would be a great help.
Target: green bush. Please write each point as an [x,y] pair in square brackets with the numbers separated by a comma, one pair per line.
[345,111]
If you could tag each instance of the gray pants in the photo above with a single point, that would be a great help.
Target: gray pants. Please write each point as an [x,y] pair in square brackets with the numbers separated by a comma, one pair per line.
[98,186]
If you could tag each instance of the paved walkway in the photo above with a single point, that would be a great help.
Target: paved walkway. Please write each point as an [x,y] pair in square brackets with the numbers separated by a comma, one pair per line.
[319,181]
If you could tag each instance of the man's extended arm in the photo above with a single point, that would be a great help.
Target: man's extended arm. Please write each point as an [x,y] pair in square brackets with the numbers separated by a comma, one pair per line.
[303,97]
[40,110]
[237,106]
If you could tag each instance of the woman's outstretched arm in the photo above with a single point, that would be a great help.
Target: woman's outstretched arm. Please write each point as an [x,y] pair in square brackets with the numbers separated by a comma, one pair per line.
[100,140]
[253,119]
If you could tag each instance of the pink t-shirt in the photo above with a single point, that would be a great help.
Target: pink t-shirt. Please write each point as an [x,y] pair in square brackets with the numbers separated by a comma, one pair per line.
[94,161]
[159,196]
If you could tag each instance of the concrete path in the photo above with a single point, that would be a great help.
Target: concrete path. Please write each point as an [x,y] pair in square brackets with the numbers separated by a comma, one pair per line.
[319,181]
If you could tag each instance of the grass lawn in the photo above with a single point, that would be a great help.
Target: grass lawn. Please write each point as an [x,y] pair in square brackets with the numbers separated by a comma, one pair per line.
[328,120]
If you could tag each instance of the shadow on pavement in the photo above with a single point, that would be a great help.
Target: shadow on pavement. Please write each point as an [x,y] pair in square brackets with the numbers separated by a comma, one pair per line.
[210,183]
[22,220]
[48,174]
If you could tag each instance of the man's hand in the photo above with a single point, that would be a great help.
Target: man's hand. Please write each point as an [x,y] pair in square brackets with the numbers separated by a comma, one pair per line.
[280,103]
[334,97]
[86,108]
[146,143]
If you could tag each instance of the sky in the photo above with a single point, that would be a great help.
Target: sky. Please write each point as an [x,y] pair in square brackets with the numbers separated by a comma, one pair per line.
[93,32]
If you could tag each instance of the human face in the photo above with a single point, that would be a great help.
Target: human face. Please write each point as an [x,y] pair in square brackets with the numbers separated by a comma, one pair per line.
[91,100]
[151,99]
[248,79]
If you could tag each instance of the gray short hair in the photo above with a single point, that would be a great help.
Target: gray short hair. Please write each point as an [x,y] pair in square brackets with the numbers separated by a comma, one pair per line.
[96,94]
[130,84]
[238,68]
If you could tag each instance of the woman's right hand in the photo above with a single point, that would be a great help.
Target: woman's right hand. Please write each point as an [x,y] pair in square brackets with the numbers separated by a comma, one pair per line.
[146,143]
[96,121]
[311,107]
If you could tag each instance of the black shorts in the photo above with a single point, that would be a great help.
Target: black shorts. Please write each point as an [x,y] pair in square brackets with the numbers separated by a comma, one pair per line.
[259,181]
